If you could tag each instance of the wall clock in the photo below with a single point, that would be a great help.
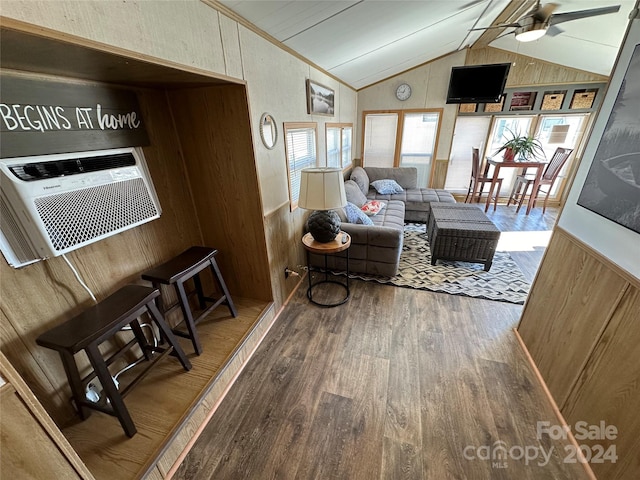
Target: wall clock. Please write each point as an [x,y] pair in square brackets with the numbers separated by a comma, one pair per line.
[403,92]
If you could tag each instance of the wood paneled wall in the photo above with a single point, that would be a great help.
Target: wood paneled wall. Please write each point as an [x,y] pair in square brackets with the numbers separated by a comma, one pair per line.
[439,174]
[284,231]
[580,325]
[530,71]
[215,136]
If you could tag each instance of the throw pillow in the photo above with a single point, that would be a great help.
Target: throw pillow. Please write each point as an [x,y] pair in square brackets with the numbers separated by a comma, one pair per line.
[355,215]
[359,175]
[372,207]
[353,193]
[387,186]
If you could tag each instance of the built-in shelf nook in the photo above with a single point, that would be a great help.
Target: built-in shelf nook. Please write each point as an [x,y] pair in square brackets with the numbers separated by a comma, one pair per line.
[201,158]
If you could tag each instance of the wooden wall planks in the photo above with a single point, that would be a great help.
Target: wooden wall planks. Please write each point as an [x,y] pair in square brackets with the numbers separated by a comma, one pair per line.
[283,230]
[608,390]
[530,71]
[580,325]
[571,307]
[32,445]
[215,137]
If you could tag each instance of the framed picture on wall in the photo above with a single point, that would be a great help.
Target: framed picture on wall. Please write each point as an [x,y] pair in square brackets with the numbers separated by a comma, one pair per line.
[612,186]
[320,99]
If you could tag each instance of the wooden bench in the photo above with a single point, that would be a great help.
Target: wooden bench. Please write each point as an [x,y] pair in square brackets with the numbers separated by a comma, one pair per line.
[176,272]
[98,324]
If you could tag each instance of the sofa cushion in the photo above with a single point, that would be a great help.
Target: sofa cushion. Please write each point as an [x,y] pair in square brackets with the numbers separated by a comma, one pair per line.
[355,215]
[393,216]
[387,186]
[407,177]
[353,193]
[359,175]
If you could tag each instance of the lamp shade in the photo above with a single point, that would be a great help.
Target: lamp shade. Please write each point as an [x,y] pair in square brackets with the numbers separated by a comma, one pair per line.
[321,189]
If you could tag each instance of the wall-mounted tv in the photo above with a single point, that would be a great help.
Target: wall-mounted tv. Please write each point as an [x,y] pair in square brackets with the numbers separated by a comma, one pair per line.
[477,83]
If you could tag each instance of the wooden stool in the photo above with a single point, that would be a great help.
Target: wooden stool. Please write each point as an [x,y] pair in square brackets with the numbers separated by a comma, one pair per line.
[176,272]
[99,323]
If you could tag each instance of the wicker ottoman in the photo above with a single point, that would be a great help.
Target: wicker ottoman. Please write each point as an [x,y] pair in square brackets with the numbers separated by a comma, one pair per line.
[461,232]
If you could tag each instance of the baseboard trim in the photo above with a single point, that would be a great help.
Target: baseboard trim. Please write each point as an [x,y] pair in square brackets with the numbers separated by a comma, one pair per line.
[581,458]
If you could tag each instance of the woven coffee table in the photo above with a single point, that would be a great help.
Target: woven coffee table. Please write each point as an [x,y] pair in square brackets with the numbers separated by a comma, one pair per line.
[461,232]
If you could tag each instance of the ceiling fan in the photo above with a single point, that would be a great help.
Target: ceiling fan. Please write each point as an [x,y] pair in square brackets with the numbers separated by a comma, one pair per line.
[541,20]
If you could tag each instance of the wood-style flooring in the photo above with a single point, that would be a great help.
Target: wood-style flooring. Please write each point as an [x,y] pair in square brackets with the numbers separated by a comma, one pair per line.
[394,384]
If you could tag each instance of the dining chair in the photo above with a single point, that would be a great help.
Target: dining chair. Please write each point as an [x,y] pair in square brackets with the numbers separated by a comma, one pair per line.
[479,177]
[523,182]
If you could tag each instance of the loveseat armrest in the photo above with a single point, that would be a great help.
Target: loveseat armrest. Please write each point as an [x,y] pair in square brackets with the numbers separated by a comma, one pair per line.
[407,177]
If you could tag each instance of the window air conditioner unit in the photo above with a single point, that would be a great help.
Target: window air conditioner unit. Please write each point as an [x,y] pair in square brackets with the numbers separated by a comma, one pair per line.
[53,204]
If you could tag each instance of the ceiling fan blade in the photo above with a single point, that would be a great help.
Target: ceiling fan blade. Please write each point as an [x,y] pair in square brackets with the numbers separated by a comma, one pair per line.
[577,15]
[504,25]
[552,31]
[543,13]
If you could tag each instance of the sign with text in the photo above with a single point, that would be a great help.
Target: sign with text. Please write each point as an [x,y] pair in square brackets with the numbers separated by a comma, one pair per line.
[39,116]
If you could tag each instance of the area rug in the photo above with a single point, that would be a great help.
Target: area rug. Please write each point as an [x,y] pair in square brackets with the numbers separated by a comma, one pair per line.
[504,282]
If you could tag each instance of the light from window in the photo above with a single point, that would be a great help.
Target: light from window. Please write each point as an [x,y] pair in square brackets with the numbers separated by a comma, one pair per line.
[300,148]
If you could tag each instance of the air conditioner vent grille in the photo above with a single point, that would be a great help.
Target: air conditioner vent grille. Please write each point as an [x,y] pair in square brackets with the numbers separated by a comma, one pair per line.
[72,218]
[71,166]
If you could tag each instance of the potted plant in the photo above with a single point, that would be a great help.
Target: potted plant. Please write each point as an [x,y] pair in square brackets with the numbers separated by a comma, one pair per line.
[520,147]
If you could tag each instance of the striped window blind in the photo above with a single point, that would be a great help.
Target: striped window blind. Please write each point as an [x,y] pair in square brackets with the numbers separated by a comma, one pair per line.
[301,153]
[347,158]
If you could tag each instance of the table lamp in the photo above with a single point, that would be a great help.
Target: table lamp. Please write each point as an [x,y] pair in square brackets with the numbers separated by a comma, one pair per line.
[322,190]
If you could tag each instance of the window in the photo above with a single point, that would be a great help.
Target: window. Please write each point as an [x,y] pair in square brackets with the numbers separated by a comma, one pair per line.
[380,139]
[300,148]
[469,132]
[402,139]
[419,134]
[339,145]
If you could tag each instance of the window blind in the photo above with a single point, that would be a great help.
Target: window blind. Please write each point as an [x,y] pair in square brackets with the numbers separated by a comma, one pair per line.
[347,159]
[333,147]
[301,153]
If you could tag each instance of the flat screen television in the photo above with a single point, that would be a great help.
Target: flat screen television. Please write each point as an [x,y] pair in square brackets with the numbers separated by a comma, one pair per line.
[477,83]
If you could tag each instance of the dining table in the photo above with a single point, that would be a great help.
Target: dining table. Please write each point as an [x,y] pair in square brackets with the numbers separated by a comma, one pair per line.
[525,164]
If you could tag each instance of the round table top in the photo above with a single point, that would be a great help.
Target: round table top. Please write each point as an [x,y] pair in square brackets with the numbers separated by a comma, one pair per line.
[333,246]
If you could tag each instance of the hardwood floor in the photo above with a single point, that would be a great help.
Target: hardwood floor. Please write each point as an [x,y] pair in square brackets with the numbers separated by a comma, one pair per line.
[394,384]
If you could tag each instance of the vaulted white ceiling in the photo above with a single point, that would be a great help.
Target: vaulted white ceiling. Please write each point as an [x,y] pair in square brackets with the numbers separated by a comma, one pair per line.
[364,41]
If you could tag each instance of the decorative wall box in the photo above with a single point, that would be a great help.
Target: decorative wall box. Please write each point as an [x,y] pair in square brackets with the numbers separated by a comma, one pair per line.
[494,107]
[552,100]
[583,99]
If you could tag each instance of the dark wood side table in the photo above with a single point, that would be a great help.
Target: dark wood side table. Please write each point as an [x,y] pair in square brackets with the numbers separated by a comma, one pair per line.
[341,244]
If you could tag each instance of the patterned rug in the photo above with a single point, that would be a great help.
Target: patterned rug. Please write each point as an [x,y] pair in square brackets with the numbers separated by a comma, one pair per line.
[504,282]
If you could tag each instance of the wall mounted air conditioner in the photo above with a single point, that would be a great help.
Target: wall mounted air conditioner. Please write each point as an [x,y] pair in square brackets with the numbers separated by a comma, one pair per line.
[53,204]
